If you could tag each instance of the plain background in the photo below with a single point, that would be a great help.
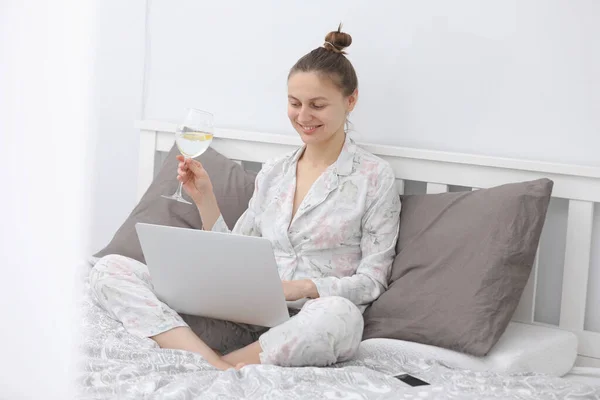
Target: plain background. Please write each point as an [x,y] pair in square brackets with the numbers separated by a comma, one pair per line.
[506,77]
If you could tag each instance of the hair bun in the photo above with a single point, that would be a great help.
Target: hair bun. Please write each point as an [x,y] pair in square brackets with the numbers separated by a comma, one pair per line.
[337,40]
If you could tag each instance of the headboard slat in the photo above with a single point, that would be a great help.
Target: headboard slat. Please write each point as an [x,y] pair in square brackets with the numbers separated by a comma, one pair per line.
[400,186]
[525,311]
[577,264]
[433,188]
[146,161]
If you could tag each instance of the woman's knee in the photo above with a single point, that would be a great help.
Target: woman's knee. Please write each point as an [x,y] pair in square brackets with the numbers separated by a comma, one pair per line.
[335,312]
[338,326]
[114,268]
[326,331]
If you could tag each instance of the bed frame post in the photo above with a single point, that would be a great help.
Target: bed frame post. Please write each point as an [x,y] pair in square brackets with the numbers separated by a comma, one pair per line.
[146,161]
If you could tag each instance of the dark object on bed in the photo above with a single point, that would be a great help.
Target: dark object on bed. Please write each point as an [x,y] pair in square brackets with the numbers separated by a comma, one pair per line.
[411,380]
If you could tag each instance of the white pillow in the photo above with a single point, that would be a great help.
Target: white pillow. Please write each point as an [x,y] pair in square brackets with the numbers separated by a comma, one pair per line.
[522,348]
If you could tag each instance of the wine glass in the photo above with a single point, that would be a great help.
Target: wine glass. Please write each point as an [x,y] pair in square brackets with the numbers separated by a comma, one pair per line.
[193,137]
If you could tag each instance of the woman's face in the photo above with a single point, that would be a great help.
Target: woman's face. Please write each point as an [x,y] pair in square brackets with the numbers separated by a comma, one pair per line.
[317,108]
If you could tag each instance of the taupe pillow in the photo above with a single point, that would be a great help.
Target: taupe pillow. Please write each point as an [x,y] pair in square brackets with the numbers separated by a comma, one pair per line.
[462,262]
[233,187]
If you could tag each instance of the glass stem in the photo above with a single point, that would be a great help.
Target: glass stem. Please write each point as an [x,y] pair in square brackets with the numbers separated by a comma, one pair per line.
[178,193]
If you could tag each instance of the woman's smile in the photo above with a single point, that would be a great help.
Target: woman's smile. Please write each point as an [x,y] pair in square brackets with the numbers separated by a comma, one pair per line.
[308,129]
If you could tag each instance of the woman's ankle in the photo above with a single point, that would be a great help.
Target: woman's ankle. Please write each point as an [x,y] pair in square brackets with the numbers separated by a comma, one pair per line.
[220,364]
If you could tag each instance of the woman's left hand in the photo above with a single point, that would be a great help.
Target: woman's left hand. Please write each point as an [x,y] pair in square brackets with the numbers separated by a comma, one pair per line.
[296,290]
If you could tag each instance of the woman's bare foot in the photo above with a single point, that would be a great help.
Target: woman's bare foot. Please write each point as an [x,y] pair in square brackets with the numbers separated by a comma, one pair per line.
[239,366]
[221,365]
[246,355]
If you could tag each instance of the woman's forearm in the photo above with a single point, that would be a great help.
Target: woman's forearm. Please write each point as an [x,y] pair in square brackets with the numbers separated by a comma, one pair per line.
[209,211]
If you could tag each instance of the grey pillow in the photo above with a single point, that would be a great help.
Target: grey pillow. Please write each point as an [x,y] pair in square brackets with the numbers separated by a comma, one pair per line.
[462,262]
[233,187]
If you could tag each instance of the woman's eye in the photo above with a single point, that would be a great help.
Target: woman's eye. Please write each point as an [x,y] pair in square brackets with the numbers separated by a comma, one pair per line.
[294,104]
[318,107]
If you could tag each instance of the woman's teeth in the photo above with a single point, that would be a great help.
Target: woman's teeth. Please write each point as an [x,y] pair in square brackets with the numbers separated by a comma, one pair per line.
[308,128]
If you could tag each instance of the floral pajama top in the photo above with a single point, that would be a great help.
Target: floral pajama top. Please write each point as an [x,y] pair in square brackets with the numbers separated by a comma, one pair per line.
[344,233]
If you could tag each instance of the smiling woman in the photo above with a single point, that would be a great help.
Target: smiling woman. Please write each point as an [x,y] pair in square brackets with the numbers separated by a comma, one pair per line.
[331,212]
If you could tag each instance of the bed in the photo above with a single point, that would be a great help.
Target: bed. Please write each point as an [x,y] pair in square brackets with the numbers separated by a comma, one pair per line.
[532,360]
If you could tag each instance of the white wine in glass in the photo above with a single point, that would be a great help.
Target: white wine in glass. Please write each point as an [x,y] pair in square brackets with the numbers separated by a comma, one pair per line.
[192,143]
[193,137]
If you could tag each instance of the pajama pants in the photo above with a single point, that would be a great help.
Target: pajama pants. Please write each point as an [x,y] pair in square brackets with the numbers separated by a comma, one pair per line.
[325,331]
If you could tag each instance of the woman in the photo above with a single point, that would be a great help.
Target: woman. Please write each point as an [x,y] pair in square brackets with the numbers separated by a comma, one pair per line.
[331,211]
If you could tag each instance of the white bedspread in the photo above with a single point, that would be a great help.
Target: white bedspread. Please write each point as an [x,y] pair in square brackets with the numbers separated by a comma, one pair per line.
[119,365]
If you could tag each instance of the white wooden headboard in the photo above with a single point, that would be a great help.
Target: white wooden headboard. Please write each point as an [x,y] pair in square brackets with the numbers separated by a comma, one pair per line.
[579,185]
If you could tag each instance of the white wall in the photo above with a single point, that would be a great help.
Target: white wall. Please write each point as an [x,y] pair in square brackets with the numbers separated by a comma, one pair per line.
[509,78]
[118,101]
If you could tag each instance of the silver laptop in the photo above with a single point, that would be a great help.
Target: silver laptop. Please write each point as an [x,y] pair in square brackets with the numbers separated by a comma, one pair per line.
[217,275]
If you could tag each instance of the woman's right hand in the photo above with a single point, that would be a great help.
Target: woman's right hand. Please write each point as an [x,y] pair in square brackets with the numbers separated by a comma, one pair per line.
[195,179]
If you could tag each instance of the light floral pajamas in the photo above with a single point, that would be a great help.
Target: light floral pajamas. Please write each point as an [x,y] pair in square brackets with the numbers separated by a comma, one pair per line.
[342,237]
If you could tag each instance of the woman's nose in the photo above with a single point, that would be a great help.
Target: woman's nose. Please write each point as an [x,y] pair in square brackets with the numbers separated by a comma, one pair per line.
[304,115]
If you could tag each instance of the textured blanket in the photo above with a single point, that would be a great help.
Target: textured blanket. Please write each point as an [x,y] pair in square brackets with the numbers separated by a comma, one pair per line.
[117,365]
